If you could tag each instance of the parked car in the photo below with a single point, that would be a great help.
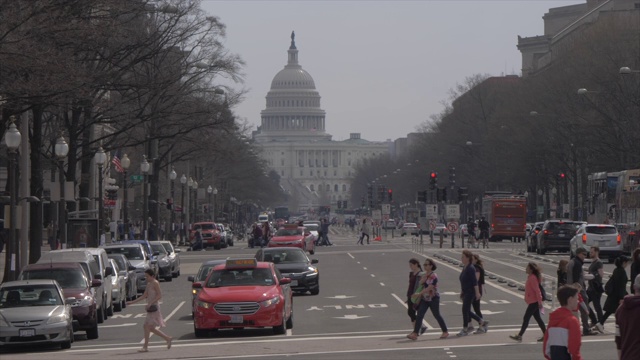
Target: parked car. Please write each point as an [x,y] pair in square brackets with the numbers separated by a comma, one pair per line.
[119,290]
[174,257]
[532,239]
[129,273]
[555,236]
[138,258]
[441,229]
[604,236]
[294,236]
[90,266]
[389,224]
[210,234]
[463,231]
[201,276]
[164,263]
[243,293]
[409,228]
[294,264]
[34,312]
[76,288]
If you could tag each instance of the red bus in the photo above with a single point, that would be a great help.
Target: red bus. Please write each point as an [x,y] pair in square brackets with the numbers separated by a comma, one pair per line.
[507,215]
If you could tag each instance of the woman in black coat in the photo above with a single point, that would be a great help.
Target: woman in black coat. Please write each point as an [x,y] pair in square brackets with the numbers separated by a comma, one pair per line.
[619,288]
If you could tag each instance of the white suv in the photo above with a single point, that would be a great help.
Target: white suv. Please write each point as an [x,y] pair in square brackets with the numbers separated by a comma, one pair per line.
[604,236]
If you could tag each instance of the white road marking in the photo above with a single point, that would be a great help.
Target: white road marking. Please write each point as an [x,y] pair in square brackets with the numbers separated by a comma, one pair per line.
[364,268]
[114,326]
[424,322]
[381,284]
[167,318]
[351,255]
[372,275]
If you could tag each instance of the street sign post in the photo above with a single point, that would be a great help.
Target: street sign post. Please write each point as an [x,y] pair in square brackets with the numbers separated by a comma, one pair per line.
[386,209]
[432,211]
[452,226]
[136,178]
[452,212]
[376,215]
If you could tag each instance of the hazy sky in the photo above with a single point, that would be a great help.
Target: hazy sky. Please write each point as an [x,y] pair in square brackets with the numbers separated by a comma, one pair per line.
[381,67]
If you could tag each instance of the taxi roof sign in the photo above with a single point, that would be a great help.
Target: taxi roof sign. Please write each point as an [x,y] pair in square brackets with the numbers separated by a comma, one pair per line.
[241,263]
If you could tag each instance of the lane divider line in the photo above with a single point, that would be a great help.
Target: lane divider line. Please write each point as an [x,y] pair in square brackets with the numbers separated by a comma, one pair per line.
[404,304]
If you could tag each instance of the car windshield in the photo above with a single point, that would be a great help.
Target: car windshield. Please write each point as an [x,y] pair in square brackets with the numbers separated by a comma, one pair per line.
[159,248]
[119,261]
[167,247]
[29,295]
[241,277]
[601,230]
[204,226]
[312,227]
[565,226]
[67,278]
[132,253]
[289,232]
[204,272]
[285,256]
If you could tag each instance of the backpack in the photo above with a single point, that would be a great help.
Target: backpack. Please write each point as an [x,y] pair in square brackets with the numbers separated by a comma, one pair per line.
[608,287]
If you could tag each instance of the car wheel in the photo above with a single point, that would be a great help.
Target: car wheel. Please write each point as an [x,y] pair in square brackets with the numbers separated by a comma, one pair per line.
[124,304]
[168,278]
[117,306]
[282,328]
[312,252]
[200,333]
[217,247]
[543,251]
[290,320]
[315,291]
[100,315]
[109,311]
[92,333]
[610,260]
[66,344]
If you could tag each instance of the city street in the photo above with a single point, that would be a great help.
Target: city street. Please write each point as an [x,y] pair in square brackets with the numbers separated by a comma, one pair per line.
[359,313]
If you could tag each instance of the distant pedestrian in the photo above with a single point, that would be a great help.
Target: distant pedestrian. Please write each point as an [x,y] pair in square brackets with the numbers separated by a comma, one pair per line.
[533,298]
[113,229]
[256,236]
[562,339]
[51,236]
[628,325]
[562,272]
[595,289]
[197,241]
[154,319]
[470,291]
[618,288]
[635,268]
[479,266]
[324,238]
[365,230]
[428,298]
[414,276]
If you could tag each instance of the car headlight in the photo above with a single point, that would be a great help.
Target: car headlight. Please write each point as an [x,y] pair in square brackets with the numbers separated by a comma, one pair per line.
[163,262]
[3,322]
[58,318]
[270,302]
[86,301]
[204,304]
[311,271]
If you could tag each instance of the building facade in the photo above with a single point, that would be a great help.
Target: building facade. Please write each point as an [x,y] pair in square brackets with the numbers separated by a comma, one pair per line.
[313,169]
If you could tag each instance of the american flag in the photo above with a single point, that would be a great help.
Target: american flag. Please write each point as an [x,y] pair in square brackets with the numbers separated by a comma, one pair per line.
[116,161]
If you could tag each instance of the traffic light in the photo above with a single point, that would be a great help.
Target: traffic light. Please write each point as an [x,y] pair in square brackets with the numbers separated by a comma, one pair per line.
[452,176]
[390,195]
[444,194]
[362,202]
[339,204]
[422,196]
[462,193]
[438,194]
[370,192]
[561,177]
[344,204]
[205,208]
[433,180]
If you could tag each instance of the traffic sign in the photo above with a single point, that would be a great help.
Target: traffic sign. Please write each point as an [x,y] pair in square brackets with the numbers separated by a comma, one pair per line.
[136,178]
[452,226]
[432,211]
[386,209]
[432,225]
[376,215]
[452,211]
[385,217]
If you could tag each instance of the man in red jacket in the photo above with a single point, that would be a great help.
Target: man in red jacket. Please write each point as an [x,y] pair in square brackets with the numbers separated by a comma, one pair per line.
[628,325]
[562,339]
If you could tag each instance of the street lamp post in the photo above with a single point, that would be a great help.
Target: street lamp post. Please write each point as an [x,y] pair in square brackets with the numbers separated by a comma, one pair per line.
[189,186]
[172,176]
[183,230]
[144,167]
[125,162]
[215,192]
[61,150]
[100,158]
[210,191]
[12,138]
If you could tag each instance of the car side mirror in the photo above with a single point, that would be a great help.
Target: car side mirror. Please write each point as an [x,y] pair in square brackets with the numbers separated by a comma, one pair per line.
[285,281]
[97,277]
[191,278]
[156,253]
[69,301]
[108,271]
[314,261]
[196,285]
[132,268]
[176,250]
[122,273]
[154,261]
[306,233]
[96,283]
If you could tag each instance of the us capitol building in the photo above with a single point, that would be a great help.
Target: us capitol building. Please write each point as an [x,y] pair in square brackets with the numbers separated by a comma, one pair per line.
[314,170]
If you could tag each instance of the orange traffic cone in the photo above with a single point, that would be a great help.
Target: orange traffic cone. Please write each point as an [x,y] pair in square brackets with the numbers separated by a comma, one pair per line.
[377,238]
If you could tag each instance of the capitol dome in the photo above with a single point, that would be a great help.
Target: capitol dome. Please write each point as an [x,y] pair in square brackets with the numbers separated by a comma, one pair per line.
[293,109]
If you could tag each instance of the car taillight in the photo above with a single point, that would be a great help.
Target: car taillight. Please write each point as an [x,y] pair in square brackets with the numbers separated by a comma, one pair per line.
[546,232]
[584,238]
[618,238]
[493,226]
[537,231]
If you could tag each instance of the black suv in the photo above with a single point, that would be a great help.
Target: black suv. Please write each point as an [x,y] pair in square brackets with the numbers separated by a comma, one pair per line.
[556,236]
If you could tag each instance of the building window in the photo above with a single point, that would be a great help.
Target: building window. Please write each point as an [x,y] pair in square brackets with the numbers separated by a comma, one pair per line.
[301,173]
[344,187]
[282,162]
[310,172]
[325,173]
[311,187]
[281,172]
[328,187]
[349,162]
[335,187]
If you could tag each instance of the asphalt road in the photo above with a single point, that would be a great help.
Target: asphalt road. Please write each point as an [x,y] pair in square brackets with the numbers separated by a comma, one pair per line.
[359,313]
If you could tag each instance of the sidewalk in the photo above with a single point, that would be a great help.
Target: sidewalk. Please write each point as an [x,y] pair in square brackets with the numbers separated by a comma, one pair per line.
[4,254]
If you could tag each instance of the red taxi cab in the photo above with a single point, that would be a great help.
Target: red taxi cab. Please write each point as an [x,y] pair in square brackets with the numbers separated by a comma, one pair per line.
[294,236]
[243,293]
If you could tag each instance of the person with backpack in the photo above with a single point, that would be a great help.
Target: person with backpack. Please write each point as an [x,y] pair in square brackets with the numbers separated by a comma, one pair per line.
[635,268]
[595,290]
[471,231]
[616,287]
[533,298]
[562,339]
[575,275]
[414,276]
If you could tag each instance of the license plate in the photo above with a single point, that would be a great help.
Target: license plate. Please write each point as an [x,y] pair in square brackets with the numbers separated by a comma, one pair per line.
[294,282]
[27,332]
[236,319]
[562,234]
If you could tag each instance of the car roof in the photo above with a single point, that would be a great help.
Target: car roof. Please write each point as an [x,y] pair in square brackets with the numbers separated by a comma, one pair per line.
[50,265]
[28,282]
[213,262]
[122,245]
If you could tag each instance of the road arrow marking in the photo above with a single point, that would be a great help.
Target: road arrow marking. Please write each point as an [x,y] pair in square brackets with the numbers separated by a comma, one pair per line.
[351,317]
[488,312]
[340,297]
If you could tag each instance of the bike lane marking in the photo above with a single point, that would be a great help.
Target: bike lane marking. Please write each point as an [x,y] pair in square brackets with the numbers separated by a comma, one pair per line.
[167,318]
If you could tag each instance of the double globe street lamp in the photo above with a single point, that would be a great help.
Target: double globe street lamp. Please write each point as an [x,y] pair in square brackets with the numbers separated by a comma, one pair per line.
[172,176]
[183,182]
[144,167]
[125,162]
[61,150]
[100,158]
[12,138]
